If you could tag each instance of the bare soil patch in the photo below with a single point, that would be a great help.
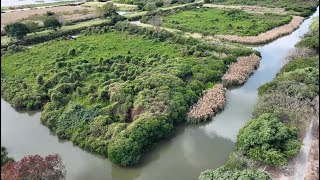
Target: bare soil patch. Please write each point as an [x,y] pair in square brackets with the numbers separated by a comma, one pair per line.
[67,13]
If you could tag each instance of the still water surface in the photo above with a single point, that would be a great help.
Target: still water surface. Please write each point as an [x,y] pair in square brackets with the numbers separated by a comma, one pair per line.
[192,150]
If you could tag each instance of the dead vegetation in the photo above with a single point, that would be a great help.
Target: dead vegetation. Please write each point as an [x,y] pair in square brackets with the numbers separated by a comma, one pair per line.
[267,36]
[249,9]
[240,71]
[212,101]
[66,13]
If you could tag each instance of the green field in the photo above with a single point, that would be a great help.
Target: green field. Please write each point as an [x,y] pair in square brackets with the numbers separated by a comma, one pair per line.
[224,22]
[304,7]
[115,93]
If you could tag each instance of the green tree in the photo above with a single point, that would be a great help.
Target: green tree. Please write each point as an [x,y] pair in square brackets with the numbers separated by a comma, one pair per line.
[108,10]
[17,30]
[51,23]
[268,140]
[150,7]
[33,26]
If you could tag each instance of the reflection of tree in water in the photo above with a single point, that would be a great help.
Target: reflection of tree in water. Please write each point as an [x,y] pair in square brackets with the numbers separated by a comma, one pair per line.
[133,173]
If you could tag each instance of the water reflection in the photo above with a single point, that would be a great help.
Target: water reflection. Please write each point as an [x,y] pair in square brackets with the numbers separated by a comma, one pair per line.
[192,150]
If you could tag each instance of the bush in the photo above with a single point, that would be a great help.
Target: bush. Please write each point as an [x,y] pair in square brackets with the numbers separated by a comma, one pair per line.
[4,156]
[124,151]
[267,140]
[51,23]
[227,174]
[17,30]
[108,10]
[33,26]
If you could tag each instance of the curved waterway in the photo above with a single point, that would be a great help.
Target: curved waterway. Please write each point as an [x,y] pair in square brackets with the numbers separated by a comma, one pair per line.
[192,150]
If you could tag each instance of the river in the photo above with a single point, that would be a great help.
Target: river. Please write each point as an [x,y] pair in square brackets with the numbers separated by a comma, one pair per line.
[192,150]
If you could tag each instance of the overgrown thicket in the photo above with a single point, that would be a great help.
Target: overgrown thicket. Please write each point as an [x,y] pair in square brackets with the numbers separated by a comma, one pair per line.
[115,92]
[305,8]
[281,115]
[4,156]
[216,21]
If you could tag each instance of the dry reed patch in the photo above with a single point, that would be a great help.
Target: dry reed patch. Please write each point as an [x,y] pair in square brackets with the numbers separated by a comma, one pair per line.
[240,71]
[70,13]
[249,9]
[267,36]
[211,102]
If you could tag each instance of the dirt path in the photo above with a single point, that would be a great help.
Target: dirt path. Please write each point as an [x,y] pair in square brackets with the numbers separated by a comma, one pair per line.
[249,9]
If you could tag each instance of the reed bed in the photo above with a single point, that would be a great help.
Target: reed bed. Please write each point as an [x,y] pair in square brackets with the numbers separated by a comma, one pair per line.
[240,71]
[211,102]
[266,36]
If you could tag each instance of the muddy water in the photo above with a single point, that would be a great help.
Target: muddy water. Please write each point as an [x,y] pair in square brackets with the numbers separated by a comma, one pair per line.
[192,150]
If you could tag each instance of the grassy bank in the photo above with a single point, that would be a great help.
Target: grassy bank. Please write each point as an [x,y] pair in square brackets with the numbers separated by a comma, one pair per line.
[305,8]
[216,21]
[280,117]
[114,92]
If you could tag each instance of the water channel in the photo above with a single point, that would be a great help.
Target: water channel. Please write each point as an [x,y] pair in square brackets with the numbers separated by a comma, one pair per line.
[192,150]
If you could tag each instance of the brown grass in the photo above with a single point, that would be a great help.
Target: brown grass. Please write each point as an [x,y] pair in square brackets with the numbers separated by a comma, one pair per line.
[68,13]
[249,9]
[212,101]
[240,71]
[267,36]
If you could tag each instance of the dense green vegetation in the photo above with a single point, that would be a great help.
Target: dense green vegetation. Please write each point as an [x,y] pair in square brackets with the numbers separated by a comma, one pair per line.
[225,173]
[4,156]
[216,21]
[268,140]
[281,116]
[305,8]
[114,92]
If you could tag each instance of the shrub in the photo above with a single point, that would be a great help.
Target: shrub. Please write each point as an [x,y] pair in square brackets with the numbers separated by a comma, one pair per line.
[4,156]
[124,151]
[35,167]
[267,140]
[33,26]
[51,23]
[108,10]
[17,30]
[225,173]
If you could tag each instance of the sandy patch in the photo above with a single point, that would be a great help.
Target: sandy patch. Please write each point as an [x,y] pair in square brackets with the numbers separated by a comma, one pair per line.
[71,13]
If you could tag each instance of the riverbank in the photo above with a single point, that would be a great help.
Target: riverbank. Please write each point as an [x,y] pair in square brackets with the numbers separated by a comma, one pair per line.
[265,37]
[281,106]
